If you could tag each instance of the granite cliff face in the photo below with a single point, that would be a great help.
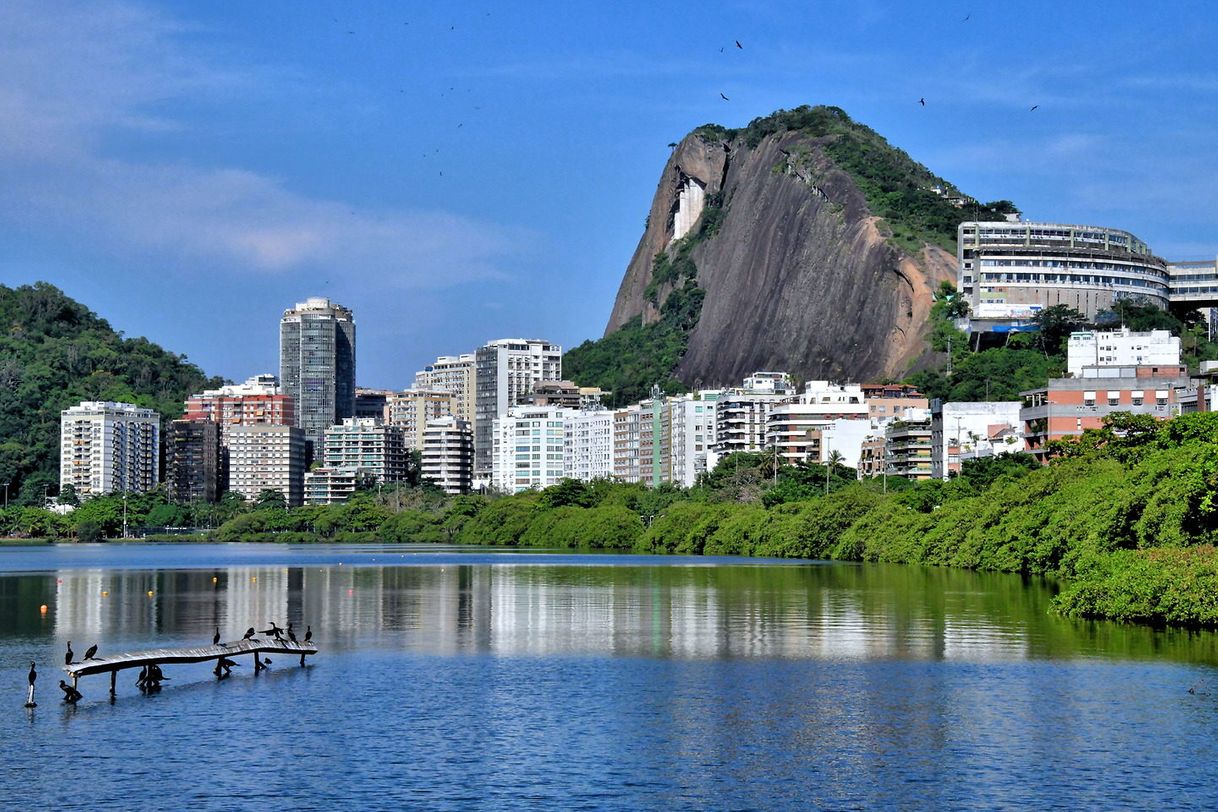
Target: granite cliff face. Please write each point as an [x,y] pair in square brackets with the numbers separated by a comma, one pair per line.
[798,271]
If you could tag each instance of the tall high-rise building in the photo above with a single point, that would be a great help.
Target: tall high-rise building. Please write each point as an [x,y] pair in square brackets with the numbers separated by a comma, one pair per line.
[453,374]
[505,374]
[411,409]
[317,364]
[192,461]
[448,454]
[264,457]
[107,447]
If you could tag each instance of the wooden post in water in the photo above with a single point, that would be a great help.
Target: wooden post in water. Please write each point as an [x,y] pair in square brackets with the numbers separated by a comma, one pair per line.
[257,663]
[302,659]
[75,692]
[113,680]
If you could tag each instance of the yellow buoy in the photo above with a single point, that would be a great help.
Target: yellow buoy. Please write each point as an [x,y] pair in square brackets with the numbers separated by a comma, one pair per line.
[150,593]
[214,579]
[43,609]
[105,594]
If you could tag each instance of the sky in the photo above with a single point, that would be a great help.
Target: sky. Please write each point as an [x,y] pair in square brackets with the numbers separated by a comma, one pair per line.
[460,172]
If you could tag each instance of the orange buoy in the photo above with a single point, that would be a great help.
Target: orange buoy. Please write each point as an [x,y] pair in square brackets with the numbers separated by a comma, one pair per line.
[42,609]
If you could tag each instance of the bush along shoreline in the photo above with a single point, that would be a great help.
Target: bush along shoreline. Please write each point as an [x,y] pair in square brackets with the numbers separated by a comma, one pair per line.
[1125,518]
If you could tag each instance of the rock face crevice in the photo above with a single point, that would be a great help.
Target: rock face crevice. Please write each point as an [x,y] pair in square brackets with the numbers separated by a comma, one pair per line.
[799,275]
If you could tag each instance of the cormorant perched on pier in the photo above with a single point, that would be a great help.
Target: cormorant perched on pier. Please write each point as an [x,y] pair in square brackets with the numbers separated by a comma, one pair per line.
[90,651]
[274,630]
[308,634]
[215,640]
[291,634]
[142,679]
[33,675]
[249,633]
[67,658]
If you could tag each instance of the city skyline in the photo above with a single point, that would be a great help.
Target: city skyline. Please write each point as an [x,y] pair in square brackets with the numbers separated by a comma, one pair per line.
[245,158]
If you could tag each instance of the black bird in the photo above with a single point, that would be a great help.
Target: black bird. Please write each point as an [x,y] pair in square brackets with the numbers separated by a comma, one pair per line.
[275,630]
[249,633]
[965,20]
[67,658]
[266,661]
[725,98]
[70,694]
[90,651]
[215,640]
[308,634]
[720,50]
[291,634]
[1033,107]
[738,45]
[33,675]
[922,101]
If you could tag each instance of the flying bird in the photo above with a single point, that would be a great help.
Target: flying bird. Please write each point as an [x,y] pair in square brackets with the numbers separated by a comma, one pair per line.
[725,98]
[215,640]
[738,45]
[966,16]
[90,651]
[67,658]
[922,101]
[1033,107]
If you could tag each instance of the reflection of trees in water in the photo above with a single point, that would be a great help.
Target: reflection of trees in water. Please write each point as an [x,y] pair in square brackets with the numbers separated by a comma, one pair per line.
[698,610]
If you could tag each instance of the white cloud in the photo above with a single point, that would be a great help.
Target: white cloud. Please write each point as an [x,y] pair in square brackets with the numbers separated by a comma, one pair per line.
[74,79]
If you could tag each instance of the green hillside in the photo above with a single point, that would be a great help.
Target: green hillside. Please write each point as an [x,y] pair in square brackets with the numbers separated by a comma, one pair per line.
[54,353]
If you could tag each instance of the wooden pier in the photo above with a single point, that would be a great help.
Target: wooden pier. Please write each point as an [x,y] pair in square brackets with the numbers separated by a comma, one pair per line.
[262,644]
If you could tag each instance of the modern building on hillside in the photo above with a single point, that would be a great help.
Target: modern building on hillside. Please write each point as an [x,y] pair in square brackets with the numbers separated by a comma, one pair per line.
[453,374]
[961,425]
[799,429]
[528,448]
[448,454]
[588,444]
[193,461]
[893,401]
[258,400]
[1067,407]
[317,364]
[1194,284]
[367,445]
[267,457]
[1121,348]
[108,447]
[1010,270]
[505,372]
[565,394]
[769,383]
[413,409]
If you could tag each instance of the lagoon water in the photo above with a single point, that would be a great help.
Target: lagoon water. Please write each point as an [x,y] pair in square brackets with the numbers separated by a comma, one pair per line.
[458,679]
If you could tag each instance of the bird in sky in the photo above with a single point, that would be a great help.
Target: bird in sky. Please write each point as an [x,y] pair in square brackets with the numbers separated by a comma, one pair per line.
[966,16]
[90,651]
[725,98]
[720,50]
[1033,107]
[922,102]
[738,45]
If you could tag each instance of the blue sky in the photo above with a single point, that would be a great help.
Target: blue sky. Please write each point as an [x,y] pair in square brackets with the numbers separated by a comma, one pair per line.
[461,172]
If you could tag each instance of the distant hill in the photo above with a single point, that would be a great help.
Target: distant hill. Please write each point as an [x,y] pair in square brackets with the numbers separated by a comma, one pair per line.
[54,353]
[806,243]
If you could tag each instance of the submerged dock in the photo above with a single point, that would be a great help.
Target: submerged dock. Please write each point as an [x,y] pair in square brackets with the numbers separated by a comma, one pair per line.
[256,646]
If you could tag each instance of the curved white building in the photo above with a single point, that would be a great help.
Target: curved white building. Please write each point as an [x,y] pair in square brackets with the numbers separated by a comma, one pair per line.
[1010,270]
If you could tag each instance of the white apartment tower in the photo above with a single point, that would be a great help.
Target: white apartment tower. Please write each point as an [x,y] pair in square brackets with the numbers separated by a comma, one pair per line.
[528,448]
[588,447]
[448,454]
[108,447]
[505,373]
[413,409]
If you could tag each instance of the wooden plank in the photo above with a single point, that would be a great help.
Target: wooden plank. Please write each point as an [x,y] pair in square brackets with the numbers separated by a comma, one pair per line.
[199,654]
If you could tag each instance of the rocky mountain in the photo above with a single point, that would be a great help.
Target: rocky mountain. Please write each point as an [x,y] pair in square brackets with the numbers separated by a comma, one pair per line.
[803,242]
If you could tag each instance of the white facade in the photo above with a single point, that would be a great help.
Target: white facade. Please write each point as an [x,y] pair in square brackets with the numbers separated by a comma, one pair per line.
[740,421]
[769,383]
[627,424]
[692,421]
[690,201]
[528,448]
[819,423]
[453,374]
[964,426]
[265,457]
[505,373]
[367,445]
[1121,348]
[588,447]
[108,447]
[448,454]
[263,384]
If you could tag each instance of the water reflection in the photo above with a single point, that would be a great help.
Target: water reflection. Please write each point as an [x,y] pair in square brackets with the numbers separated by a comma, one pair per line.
[556,606]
